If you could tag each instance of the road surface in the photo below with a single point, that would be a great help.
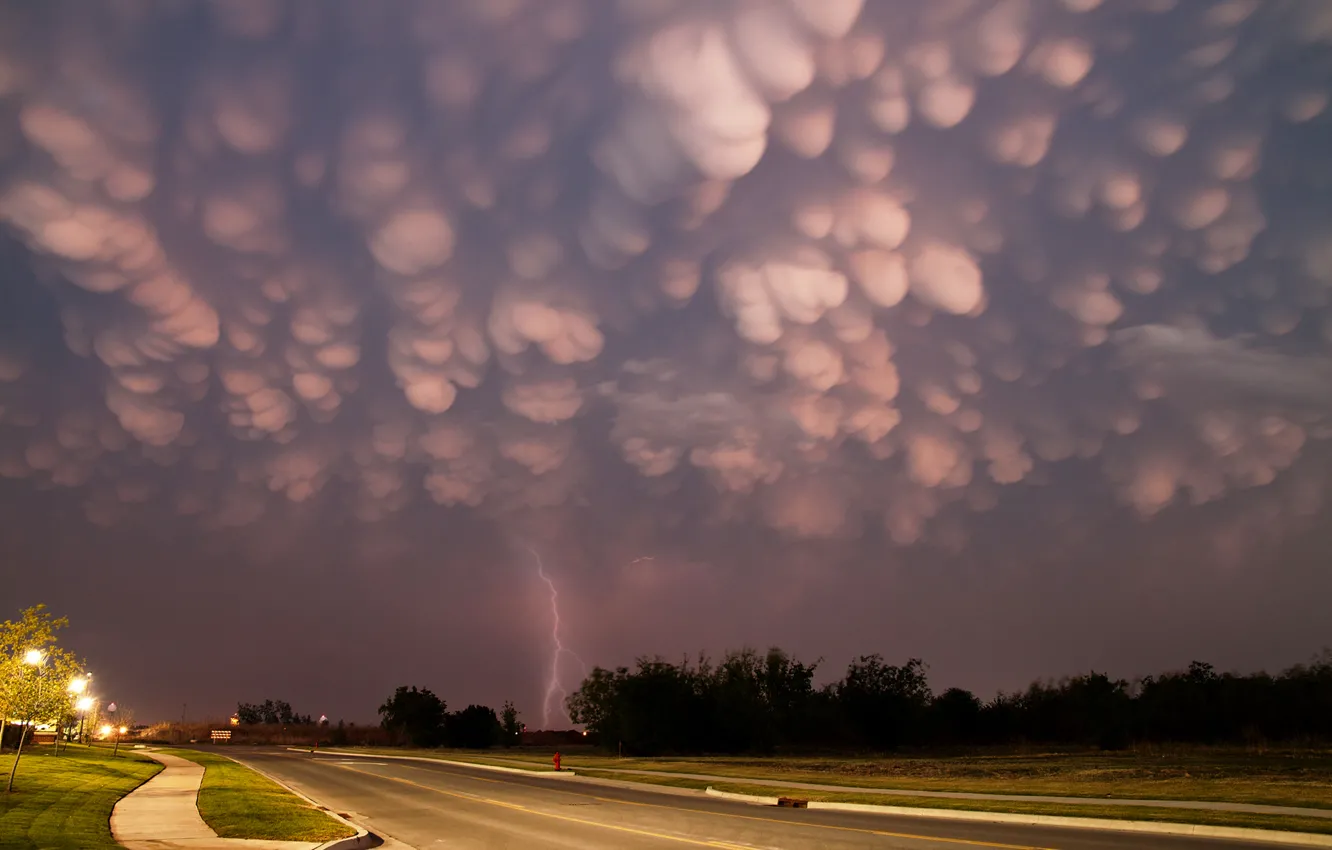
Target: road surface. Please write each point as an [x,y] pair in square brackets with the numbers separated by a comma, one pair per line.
[436,806]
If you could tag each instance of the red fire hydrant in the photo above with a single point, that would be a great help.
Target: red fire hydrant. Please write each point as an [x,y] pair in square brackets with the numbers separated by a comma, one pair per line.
[557,761]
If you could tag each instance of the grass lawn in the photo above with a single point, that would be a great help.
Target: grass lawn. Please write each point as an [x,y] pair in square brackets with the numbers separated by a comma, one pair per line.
[240,803]
[1276,777]
[64,802]
[1196,816]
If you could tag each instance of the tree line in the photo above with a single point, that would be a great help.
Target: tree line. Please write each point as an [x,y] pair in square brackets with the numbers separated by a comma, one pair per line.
[417,716]
[270,712]
[752,702]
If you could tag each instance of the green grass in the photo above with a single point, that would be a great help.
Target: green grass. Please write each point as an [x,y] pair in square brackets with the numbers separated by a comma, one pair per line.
[1139,813]
[64,802]
[1280,778]
[239,803]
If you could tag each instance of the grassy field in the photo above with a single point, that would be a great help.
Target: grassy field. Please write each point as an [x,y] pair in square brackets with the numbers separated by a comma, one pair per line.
[64,802]
[1282,778]
[1141,813]
[239,803]
[1276,777]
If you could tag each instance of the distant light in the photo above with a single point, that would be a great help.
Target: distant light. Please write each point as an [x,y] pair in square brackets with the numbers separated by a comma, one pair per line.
[124,729]
[235,720]
[584,733]
[105,731]
[35,657]
[78,686]
[84,703]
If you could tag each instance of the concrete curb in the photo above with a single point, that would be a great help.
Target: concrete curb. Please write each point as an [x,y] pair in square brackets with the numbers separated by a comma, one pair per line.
[1267,836]
[752,799]
[544,774]
[584,779]
[363,838]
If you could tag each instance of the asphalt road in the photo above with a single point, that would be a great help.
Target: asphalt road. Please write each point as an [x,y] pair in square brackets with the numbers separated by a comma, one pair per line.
[432,806]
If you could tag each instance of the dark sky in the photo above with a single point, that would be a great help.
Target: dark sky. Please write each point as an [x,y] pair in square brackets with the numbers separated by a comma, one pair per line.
[992,332]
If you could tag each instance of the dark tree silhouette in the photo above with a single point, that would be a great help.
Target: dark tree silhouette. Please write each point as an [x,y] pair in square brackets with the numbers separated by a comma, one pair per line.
[271,712]
[509,721]
[754,703]
[415,715]
[884,704]
[474,728]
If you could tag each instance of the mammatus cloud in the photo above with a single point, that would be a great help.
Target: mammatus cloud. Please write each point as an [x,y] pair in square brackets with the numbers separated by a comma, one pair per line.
[825,265]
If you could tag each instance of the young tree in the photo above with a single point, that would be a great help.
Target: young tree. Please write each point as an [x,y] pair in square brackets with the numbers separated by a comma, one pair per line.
[34,673]
[35,629]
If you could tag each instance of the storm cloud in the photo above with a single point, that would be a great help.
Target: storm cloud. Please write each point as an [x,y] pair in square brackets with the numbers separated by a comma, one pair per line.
[834,268]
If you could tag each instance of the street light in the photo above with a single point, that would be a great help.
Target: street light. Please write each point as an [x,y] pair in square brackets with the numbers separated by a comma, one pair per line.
[34,657]
[84,705]
[77,685]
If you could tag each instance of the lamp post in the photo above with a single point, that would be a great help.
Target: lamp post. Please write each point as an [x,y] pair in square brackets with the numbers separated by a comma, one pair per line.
[77,686]
[111,709]
[84,705]
[32,658]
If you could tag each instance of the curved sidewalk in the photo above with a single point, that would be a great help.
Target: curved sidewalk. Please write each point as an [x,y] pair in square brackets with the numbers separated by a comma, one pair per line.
[163,814]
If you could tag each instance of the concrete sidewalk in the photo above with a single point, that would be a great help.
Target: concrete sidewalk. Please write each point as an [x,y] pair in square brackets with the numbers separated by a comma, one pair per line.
[163,814]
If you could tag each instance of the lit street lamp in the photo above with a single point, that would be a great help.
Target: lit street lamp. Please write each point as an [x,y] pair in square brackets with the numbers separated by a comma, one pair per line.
[84,705]
[111,709]
[77,685]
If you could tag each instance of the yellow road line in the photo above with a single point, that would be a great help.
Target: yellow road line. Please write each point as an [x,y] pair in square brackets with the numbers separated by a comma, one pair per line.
[462,795]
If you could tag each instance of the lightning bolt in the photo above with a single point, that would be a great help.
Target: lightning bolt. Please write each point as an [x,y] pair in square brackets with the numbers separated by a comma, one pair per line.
[555,689]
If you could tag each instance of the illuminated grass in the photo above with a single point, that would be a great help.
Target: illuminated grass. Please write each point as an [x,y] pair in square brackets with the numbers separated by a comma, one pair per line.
[1137,813]
[64,802]
[237,802]
[1283,778]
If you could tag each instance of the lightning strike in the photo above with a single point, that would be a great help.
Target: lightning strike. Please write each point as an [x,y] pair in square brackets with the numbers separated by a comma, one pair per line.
[555,688]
